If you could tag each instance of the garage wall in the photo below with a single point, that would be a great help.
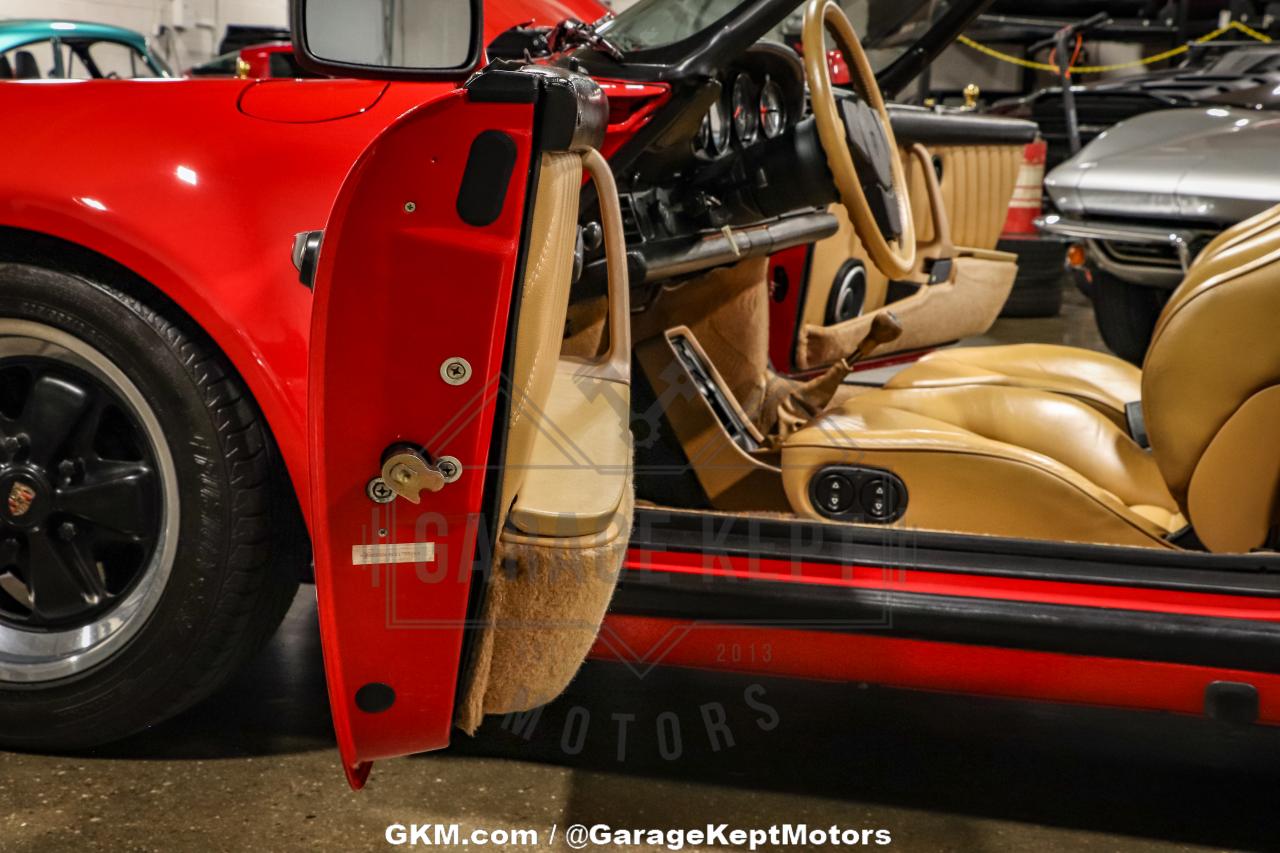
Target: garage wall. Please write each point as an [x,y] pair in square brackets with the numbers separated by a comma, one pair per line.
[185,32]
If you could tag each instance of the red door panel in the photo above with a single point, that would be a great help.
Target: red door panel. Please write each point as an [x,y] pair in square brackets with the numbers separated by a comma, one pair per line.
[404,285]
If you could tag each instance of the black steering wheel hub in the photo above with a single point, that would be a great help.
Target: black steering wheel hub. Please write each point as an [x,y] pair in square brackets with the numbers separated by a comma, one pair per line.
[873,161]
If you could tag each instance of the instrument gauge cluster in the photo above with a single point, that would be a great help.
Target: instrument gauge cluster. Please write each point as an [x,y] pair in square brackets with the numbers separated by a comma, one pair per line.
[773,109]
[746,110]
[761,97]
[713,135]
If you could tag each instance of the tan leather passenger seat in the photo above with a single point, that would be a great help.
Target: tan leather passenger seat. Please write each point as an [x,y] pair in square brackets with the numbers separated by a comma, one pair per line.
[1018,461]
[992,460]
[1101,380]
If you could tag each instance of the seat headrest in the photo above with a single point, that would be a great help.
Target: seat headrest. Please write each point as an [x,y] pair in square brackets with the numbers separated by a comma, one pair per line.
[25,66]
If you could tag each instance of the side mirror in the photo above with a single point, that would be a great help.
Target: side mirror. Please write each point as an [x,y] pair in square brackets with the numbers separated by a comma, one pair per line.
[389,39]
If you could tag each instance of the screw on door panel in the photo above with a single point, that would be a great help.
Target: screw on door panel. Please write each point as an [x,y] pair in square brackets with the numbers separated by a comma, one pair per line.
[450,468]
[456,371]
[379,492]
[410,207]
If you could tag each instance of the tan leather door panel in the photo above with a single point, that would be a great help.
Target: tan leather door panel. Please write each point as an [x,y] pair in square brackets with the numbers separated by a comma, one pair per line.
[977,184]
[567,487]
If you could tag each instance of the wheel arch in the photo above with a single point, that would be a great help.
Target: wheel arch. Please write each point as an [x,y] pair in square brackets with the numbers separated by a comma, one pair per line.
[37,248]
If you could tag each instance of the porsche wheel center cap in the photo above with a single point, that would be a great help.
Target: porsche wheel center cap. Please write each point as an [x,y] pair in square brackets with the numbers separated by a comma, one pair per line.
[25,498]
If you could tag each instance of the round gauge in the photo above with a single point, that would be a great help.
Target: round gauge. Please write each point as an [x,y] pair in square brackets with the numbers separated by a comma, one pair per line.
[713,134]
[702,142]
[746,110]
[773,109]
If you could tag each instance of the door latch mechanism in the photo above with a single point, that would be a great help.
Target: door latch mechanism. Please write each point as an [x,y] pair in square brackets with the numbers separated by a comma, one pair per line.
[408,472]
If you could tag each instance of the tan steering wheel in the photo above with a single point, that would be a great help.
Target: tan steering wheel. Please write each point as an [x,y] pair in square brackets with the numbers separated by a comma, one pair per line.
[859,143]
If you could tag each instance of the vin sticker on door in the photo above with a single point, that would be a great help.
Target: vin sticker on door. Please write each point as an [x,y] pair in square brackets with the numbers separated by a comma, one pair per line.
[387,555]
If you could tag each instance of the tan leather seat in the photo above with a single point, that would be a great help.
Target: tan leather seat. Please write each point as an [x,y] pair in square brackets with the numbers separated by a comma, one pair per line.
[992,460]
[1103,381]
[1240,232]
[1025,462]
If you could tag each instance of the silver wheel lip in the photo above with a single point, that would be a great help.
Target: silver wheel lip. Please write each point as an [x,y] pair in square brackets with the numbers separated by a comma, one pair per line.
[30,657]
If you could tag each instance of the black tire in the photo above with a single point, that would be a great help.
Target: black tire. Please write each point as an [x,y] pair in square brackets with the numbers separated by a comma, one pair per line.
[239,546]
[1126,314]
[1037,292]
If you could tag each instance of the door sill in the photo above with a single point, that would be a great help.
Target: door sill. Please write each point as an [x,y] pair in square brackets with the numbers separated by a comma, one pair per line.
[808,542]
[1219,611]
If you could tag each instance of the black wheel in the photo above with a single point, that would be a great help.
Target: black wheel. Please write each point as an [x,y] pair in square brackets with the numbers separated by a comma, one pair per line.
[1126,314]
[1037,291]
[146,547]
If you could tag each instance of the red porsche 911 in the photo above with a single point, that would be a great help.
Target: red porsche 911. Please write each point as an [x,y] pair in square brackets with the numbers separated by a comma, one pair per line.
[500,341]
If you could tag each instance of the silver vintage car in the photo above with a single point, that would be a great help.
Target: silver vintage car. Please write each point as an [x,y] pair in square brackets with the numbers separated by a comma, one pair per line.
[1145,196]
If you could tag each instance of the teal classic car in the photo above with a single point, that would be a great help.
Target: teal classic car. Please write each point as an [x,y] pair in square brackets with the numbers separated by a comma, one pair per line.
[52,49]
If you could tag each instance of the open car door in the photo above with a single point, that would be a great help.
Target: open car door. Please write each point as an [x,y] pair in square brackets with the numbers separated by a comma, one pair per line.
[471,489]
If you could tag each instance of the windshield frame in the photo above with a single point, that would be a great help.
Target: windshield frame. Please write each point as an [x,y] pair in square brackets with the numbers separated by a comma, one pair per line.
[702,53]
[896,17]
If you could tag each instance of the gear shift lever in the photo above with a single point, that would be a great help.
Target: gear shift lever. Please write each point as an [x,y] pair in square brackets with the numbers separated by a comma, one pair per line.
[885,329]
[811,398]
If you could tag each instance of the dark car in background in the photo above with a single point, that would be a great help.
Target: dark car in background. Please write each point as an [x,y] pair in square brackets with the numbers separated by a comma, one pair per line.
[257,61]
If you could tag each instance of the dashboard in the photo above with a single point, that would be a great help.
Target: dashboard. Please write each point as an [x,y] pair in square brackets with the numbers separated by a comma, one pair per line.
[761,97]
[738,172]
[731,167]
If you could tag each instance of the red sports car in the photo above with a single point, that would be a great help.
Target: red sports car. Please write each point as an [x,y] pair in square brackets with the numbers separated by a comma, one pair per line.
[513,383]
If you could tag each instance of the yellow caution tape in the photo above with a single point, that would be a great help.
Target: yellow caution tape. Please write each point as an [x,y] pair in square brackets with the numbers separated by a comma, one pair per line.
[1098,69]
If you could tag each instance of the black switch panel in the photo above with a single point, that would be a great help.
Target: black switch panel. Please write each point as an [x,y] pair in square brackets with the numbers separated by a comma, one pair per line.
[863,495]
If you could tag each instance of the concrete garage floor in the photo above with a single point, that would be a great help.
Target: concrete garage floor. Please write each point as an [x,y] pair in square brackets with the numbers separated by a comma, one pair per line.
[255,767]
